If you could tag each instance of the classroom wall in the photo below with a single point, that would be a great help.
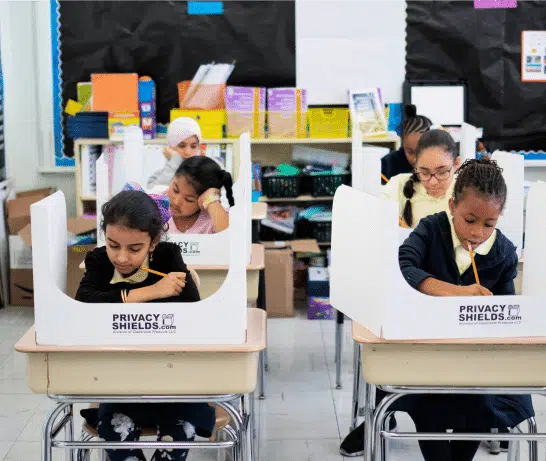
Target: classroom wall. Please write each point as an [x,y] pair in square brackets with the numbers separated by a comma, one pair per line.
[340,44]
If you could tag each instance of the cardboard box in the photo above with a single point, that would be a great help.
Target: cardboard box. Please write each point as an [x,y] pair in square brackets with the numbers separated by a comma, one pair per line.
[147,106]
[18,209]
[20,261]
[318,292]
[279,274]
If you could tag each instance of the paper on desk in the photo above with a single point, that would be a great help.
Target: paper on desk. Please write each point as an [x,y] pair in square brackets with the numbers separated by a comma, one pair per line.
[511,221]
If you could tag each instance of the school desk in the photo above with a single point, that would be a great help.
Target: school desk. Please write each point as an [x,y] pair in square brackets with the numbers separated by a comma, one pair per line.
[340,322]
[450,366]
[221,374]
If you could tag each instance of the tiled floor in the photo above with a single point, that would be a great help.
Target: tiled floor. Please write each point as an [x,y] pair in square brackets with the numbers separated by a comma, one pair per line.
[304,417]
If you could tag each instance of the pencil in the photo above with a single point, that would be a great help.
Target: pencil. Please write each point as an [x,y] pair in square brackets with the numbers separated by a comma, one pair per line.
[474,265]
[151,271]
[402,223]
[384,178]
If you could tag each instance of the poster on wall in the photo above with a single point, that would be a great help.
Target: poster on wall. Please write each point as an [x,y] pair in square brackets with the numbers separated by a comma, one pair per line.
[169,44]
[533,56]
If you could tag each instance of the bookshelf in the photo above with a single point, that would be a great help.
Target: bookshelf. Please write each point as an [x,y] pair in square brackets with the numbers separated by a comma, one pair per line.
[269,151]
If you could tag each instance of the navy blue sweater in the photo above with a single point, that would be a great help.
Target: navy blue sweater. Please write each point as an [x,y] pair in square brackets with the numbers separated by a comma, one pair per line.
[395,163]
[429,252]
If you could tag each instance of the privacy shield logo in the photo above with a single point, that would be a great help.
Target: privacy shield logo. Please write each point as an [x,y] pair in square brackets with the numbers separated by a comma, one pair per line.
[490,314]
[189,248]
[143,323]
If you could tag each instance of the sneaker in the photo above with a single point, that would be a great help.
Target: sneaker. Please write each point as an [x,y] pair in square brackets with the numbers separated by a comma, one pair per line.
[496,447]
[353,444]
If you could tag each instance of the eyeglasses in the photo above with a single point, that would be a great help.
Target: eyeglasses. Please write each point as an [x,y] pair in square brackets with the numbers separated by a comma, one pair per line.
[439,175]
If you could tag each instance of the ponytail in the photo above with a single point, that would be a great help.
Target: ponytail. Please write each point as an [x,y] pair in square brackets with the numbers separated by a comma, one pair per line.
[227,182]
[408,191]
[203,173]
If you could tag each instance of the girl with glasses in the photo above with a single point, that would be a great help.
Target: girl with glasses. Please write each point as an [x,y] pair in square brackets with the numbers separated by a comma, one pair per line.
[427,190]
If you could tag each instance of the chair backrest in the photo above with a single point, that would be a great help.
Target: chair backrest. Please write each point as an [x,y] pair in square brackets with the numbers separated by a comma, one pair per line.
[195,277]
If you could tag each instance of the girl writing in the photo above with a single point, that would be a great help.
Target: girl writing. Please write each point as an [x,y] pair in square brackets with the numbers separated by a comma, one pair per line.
[435,260]
[403,160]
[184,140]
[194,196]
[427,190]
[133,223]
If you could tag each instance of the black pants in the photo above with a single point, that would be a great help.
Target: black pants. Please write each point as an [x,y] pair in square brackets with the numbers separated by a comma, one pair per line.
[124,422]
[441,450]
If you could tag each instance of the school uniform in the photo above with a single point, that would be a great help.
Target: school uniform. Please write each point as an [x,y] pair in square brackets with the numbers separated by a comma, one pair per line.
[422,204]
[434,250]
[102,283]
[395,163]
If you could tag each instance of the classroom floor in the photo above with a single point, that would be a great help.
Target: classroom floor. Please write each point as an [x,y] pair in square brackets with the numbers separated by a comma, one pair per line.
[304,417]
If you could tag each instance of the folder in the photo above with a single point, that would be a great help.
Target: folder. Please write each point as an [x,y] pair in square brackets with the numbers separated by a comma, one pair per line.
[115,92]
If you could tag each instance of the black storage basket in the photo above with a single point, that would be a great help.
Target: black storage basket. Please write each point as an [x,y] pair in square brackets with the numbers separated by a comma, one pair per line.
[281,186]
[323,185]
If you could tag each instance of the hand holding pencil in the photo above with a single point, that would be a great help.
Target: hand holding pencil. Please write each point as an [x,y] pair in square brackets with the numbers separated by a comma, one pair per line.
[171,284]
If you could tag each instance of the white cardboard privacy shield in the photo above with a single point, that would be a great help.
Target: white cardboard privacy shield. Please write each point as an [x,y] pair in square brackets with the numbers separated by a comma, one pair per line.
[366,283]
[197,249]
[60,320]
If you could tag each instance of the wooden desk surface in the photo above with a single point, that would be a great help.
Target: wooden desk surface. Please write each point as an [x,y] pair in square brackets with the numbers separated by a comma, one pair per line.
[255,342]
[364,336]
[257,261]
[259,211]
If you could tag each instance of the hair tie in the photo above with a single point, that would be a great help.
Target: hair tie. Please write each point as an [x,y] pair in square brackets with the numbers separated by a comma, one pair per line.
[161,200]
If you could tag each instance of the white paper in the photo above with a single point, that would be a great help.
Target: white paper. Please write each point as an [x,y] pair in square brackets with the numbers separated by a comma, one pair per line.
[533,56]
[444,105]
[468,138]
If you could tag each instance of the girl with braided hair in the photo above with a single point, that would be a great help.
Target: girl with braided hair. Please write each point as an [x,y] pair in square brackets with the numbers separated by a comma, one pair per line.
[435,260]
[403,160]
[427,190]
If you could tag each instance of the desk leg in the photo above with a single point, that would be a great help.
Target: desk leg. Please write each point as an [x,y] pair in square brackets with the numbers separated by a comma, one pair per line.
[369,435]
[357,371]
[261,371]
[69,432]
[340,319]
[47,436]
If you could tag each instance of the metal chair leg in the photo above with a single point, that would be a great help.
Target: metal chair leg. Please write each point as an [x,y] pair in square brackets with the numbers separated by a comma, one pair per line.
[384,442]
[340,319]
[533,444]
[513,447]
[357,370]
[261,371]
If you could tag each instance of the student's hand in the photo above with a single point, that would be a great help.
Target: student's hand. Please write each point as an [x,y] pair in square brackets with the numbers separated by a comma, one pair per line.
[474,290]
[170,285]
[209,193]
[168,152]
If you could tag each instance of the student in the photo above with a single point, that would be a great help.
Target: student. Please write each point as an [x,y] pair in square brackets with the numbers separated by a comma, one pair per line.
[194,196]
[435,260]
[403,160]
[184,140]
[426,191]
[133,224]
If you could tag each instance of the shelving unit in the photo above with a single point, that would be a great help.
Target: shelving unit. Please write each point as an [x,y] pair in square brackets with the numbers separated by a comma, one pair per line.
[270,151]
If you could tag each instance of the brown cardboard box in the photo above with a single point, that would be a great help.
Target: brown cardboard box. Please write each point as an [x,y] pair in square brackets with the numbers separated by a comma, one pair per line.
[279,274]
[18,209]
[21,287]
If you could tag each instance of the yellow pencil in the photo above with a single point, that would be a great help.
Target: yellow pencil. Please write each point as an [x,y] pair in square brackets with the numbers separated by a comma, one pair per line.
[151,271]
[384,178]
[402,223]
[474,265]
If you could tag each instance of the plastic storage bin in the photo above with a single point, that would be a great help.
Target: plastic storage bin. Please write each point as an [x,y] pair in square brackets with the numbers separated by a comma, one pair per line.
[328,122]
[212,122]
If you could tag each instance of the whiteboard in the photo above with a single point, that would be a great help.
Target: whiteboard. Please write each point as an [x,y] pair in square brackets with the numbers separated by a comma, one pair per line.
[345,44]
[449,112]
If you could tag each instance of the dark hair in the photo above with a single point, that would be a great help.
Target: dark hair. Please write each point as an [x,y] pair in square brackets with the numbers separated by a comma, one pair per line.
[204,173]
[133,209]
[432,138]
[414,123]
[482,175]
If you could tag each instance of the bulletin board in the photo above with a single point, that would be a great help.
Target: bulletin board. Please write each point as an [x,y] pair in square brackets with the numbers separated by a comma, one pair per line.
[164,41]
[2,140]
[451,40]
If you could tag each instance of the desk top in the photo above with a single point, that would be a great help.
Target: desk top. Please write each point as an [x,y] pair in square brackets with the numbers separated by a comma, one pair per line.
[259,211]
[364,336]
[257,261]
[255,342]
